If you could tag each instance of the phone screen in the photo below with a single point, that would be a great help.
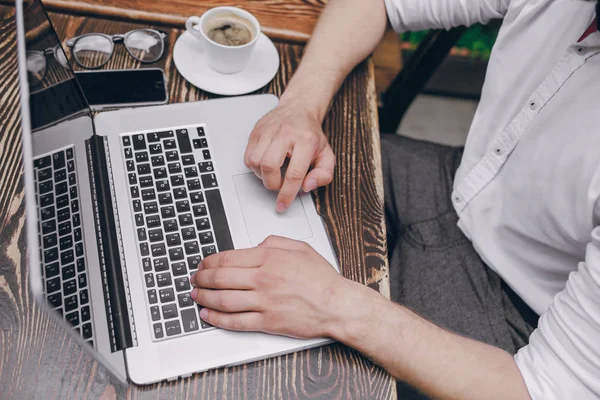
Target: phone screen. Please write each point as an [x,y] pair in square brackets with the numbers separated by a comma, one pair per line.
[120,87]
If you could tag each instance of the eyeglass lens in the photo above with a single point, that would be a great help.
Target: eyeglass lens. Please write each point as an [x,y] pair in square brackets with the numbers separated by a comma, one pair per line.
[36,67]
[144,45]
[93,51]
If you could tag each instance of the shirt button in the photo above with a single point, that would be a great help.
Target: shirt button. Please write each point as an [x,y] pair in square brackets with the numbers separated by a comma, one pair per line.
[456,199]
[498,151]
[581,51]
[533,105]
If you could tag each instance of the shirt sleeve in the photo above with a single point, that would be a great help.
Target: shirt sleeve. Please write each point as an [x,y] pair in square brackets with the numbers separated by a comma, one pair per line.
[562,360]
[417,15]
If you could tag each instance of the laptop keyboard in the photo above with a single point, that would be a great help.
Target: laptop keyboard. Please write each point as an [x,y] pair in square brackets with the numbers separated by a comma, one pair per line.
[62,251]
[179,218]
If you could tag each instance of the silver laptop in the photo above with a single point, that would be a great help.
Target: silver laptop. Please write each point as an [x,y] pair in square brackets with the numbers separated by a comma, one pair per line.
[122,206]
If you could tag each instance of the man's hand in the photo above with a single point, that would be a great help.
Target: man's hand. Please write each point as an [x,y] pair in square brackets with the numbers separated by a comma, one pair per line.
[290,131]
[282,287]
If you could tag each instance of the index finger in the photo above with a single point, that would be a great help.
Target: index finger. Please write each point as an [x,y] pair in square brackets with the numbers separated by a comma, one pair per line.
[294,176]
[245,258]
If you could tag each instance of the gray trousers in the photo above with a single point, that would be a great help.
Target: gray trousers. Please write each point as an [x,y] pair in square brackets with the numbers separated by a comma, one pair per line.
[434,269]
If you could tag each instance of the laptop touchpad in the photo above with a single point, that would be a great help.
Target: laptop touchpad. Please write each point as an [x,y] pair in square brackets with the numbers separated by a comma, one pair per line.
[258,207]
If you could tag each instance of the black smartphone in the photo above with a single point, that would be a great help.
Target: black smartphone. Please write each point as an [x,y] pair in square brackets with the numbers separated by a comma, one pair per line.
[123,88]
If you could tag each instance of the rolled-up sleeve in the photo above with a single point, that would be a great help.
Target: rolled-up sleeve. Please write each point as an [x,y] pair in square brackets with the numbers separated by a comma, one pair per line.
[562,360]
[417,15]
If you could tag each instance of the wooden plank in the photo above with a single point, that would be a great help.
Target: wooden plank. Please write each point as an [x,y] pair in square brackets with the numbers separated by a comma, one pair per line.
[37,358]
[288,20]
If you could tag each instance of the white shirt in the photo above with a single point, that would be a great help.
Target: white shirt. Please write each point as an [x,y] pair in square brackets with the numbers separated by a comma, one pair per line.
[528,189]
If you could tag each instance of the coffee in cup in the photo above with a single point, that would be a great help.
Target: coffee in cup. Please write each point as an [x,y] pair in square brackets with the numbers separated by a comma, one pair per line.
[229,30]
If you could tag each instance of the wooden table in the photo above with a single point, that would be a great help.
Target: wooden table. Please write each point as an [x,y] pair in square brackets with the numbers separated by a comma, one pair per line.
[37,358]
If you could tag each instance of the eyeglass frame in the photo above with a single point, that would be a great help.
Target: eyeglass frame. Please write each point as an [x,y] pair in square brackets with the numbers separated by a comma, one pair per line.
[50,51]
[115,39]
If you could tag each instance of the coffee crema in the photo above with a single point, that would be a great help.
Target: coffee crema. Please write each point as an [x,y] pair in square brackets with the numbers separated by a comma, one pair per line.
[229,30]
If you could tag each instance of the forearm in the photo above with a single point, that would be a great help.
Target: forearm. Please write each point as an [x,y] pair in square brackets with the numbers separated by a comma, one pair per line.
[441,364]
[347,32]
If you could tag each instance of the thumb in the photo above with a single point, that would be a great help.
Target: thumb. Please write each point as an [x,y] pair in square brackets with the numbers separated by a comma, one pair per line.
[322,173]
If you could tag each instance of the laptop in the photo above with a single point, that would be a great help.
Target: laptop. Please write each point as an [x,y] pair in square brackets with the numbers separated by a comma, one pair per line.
[123,205]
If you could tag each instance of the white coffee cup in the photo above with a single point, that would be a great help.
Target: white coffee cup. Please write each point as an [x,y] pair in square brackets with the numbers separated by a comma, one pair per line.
[221,58]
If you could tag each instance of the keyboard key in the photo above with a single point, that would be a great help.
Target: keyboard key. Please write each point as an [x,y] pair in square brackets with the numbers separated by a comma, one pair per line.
[167,212]
[152,299]
[44,174]
[209,181]
[146,264]
[128,153]
[52,270]
[206,167]
[187,159]
[55,299]
[175,168]
[144,169]
[149,278]
[194,184]
[48,227]
[73,192]
[78,249]
[126,141]
[50,240]
[182,284]
[144,251]
[155,313]
[206,237]
[189,320]
[158,330]
[203,143]
[179,269]
[45,187]
[83,297]
[64,228]
[69,153]
[170,311]
[63,215]
[132,177]
[177,180]
[197,197]
[66,242]
[77,235]
[139,220]
[69,287]
[196,143]
[71,303]
[146,181]
[166,295]
[47,213]
[192,247]
[158,250]
[161,264]
[135,192]
[148,194]
[76,220]
[86,331]
[68,272]
[52,285]
[184,300]
[202,224]
[190,172]
[200,131]
[193,262]
[219,220]
[157,161]
[62,201]
[180,193]
[172,328]
[176,254]
[50,255]
[182,206]
[71,166]
[151,208]
[155,148]
[153,221]
[58,160]
[173,239]
[141,232]
[72,179]
[60,175]
[157,136]
[73,318]
[155,235]
[206,154]
[208,251]
[43,162]
[139,142]
[183,139]
[141,157]
[185,219]
[163,186]
[170,225]
[130,166]
[85,313]
[172,156]
[47,200]
[170,144]
[160,173]
[82,281]
[165,198]
[188,233]
[80,264]
[163,280]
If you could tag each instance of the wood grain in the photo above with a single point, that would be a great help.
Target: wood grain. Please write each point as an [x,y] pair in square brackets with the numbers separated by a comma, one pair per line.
[289,20]
[37,358]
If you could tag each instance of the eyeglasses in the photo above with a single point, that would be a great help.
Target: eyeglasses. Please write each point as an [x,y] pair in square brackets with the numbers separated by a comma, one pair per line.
[93,50]
[37,65]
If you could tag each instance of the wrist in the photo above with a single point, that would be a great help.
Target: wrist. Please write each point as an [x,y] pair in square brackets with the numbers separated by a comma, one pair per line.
[306,94]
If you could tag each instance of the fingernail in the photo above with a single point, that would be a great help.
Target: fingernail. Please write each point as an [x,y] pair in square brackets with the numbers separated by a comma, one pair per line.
[204,313]
[280,207]
[200,266]
[193,279]
[311,185]
[194,294]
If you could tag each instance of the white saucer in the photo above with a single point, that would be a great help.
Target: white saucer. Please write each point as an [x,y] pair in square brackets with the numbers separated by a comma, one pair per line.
[190,61]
